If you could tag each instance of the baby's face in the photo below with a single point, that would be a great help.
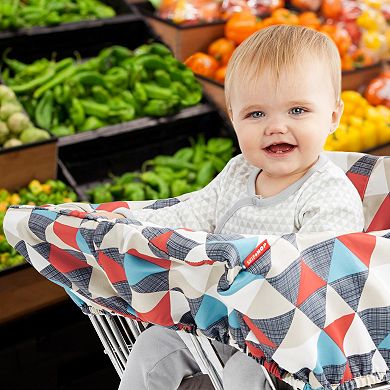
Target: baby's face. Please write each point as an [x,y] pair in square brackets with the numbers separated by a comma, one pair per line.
[282,125]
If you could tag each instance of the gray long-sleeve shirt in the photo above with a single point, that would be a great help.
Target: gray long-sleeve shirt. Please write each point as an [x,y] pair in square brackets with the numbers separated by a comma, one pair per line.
[324,199]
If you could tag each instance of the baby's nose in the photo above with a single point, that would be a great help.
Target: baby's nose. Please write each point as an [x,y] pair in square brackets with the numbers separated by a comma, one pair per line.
[276,127]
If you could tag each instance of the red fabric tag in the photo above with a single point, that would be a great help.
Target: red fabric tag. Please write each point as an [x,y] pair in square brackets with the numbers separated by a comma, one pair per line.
[256,253]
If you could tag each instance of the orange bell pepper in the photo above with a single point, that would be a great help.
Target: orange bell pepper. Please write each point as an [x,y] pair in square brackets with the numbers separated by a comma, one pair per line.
[202,63]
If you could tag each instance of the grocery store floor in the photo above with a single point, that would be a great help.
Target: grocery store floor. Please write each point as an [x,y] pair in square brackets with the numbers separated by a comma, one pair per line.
[55,348]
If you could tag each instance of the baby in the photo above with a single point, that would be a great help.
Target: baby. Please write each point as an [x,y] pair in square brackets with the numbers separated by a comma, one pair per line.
[283,97]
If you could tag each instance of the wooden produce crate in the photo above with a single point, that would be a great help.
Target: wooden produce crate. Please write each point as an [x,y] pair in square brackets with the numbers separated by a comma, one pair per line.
[20,165]
[358,78]
[183,40]
[25,291]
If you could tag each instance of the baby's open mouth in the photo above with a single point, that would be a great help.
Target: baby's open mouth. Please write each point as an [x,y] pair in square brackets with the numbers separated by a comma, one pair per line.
[280,148]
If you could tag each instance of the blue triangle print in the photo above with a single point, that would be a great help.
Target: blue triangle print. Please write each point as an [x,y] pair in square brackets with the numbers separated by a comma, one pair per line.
[240,281]
[210,311]
[344,263]
[137,269]
[385,344]
[245,246]
[329,354]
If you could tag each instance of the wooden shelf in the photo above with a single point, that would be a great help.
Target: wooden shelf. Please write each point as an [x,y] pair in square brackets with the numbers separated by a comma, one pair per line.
[25,291]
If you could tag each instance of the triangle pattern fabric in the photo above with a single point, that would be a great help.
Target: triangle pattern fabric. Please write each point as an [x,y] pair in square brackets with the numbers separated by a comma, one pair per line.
[318,257]
[275,329]
[360,244]
[161,241]
[344,263]
[350,288]
[339,328]
[309,283]
[381,219]
[314,306]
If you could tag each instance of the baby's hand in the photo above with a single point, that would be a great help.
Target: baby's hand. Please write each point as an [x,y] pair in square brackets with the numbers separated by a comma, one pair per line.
[108,214]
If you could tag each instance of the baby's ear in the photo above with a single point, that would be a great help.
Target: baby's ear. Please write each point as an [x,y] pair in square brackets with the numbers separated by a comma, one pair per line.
[336,116]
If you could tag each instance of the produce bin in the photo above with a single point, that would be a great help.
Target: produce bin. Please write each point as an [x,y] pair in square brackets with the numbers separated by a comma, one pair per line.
[184,40]
[21,164]
[126,151]
[121,7]
[86,43]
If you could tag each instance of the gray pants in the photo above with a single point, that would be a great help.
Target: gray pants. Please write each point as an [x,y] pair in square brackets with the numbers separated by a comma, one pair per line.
[160,360]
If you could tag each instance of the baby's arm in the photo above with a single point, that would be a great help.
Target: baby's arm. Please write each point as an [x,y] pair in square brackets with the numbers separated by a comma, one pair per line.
[333,205]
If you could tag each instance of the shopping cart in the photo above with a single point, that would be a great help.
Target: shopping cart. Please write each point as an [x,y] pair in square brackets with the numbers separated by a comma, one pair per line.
[109,315]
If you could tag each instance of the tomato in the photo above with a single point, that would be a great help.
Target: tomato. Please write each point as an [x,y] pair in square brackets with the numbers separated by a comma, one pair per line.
[240,26]
[220,74]
[378,90]
[222,49]
[202,63]
[331,8]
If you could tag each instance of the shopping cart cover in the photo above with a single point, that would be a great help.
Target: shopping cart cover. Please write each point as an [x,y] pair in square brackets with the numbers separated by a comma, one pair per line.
[313,308]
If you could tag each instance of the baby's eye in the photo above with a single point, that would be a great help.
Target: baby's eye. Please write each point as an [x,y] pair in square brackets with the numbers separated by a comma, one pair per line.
[256,114]
[297,111]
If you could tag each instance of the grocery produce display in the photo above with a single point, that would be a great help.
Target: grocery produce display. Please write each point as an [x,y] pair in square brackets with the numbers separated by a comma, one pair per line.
[15,126]
[165,176]
[362,126]
[118,85]
[360,32]
[51,191]
[16,14]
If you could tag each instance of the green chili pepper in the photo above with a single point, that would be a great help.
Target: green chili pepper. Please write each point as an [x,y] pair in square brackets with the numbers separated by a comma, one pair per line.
[15,65]
[95,109]
[121,53]
[154,180]
[217,162]
[140,93]
[63,75]
[159,49]
[151,62]
[92,123]
[172,162]
[205,174]
[126,178]
[179,187]
[100,94]
[150,193]
[62,131]
[102,196]
[162,78]
[89,77]
[76,112]
[184,154]
[36,82]
[44,110]
[134,191]
[219,145]
[157,107]
[153,91]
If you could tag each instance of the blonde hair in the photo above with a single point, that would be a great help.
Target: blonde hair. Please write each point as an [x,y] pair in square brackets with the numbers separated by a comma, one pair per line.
[278,48]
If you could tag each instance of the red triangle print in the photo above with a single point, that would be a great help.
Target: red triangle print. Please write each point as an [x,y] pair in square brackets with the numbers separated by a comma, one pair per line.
[360,244]
[64,261]
[113,270]
[160,241]
[263,339]
[160,314]
[347,374]
[111,206]
[66,233]
[359,181]
[339,328]
[163,263]
[309,283]
[256,352]
[381,220]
